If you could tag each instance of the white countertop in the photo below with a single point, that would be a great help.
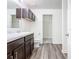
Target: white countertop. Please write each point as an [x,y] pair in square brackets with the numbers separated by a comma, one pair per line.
[14,36]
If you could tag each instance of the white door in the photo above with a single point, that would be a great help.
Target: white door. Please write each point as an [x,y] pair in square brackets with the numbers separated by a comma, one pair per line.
[47,28]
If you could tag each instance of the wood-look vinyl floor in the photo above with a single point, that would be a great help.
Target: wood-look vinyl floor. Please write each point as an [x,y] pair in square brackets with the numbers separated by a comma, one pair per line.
[48,51]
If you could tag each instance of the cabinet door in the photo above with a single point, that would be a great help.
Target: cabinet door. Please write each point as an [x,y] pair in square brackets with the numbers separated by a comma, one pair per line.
[28,48]
[29,14]
[34,18]
[19,52]
[18,13]
[24,13]
[32,47]
[9,56]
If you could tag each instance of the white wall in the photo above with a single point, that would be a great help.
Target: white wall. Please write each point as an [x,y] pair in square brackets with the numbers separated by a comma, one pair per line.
[64,26]
[56,24]
[37,26]
[25,25]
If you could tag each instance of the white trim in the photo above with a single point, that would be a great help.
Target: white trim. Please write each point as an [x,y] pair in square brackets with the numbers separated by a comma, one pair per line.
[64,51]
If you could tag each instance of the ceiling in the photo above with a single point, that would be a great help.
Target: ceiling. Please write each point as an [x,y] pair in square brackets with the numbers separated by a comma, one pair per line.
[45,4]
[37,4]
[12,4]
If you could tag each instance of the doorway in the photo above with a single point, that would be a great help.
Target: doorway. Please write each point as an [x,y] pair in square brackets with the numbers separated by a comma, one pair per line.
[47,28]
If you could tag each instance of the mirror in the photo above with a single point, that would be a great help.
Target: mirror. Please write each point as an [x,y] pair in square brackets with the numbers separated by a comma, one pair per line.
[12,22]
[15,22]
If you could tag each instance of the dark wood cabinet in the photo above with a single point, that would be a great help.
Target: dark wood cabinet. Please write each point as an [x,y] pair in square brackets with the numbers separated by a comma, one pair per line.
[9,56]
[15,49]
[20,48]
[19,52]
[18,12]
[32,44]
[25,13]
[21,13]
[31,15]
[28,49]
[28,45]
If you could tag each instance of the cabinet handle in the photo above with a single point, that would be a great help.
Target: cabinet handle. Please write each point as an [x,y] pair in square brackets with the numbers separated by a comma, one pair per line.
[11,57]
[16,55]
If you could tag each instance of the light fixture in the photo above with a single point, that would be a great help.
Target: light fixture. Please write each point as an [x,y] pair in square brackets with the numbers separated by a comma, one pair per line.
[30,2]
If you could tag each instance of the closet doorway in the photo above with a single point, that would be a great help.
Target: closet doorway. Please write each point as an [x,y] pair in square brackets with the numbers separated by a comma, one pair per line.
[47,29]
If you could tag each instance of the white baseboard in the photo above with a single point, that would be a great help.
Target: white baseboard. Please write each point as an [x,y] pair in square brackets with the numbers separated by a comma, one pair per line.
[64,51]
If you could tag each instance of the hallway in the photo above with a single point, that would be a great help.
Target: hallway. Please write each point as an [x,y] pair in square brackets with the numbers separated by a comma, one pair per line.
[48,51]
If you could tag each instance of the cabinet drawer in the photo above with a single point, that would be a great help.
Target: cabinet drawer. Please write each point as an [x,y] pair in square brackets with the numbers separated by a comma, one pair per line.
[14,44]
[28,37]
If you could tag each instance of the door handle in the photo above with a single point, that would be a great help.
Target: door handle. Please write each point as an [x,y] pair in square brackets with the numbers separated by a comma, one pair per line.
[67,35]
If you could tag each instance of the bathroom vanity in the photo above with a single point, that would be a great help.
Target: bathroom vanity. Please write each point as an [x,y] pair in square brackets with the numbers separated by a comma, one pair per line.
[20,46]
